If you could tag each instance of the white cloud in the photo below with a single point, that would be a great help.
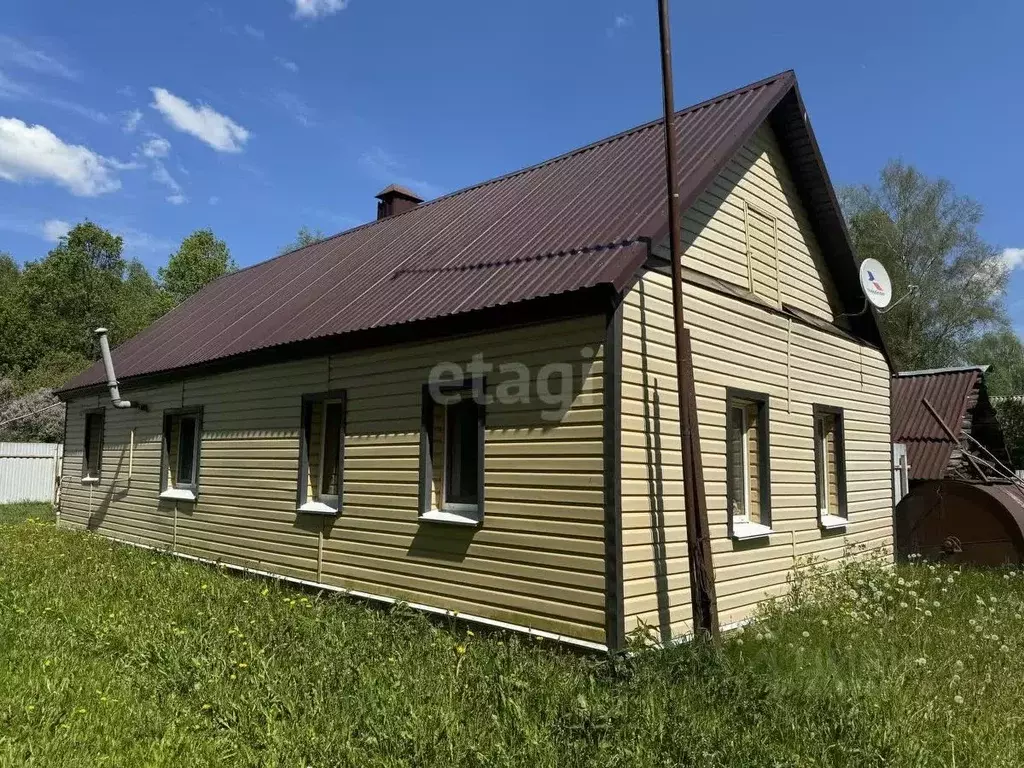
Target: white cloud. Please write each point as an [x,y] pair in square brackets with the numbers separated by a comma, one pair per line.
[156,147]
[163,176]
[1012,258]
[303,114]
[315,9]
[55,229]
[288,64]
[219,131]
[14,91]
[15,52]
[31,152]
[388,169]
[131,121]
[251,31]
[621,21]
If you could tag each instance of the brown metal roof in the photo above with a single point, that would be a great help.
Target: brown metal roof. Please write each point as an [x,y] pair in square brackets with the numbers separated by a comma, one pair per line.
[950,393]
[579,221]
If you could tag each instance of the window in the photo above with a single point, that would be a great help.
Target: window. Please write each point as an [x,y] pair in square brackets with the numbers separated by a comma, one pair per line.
[322,452]
[452,455]
[180,455]
[747,468]
[92,452]
[830,467]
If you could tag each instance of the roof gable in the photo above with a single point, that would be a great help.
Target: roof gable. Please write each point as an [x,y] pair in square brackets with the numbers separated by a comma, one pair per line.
[583,220]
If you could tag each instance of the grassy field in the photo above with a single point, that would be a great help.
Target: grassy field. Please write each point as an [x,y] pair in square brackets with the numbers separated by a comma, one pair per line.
[115,656]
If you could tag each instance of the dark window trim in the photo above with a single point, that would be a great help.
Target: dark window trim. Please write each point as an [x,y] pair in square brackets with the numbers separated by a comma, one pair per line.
[102,412]
[763,439]
[821,410]
[305,428]
[477,384]
[165,455]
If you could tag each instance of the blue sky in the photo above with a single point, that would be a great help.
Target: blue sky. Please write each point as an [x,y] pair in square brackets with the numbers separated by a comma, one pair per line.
[254,118]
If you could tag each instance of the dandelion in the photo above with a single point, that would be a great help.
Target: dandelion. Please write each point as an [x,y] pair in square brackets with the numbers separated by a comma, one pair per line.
[460,649]
[242,665]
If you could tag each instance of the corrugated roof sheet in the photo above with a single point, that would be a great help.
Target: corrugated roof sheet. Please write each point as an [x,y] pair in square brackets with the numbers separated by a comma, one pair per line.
[575,222]
[929,448]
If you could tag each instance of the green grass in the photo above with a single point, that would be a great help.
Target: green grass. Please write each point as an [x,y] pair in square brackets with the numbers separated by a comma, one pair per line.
[115,656]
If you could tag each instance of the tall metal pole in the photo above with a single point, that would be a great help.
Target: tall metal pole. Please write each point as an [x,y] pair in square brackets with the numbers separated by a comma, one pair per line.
[698,535]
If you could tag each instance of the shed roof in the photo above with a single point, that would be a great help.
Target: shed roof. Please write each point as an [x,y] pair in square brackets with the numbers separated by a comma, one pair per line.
[949,392]
[582,221]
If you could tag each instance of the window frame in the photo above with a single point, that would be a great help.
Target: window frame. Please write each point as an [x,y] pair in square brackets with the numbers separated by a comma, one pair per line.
[179,491]
[87,478]
[827,518]
[458,513]
[316,505]
[742,529]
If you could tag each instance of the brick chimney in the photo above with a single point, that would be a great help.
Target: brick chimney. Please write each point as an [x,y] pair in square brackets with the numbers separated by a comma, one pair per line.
[394,200]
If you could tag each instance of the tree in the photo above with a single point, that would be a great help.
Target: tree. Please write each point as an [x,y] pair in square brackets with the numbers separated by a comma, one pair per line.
[305,237]
[200,260]
[1003,351]
[926,235]
[37,417]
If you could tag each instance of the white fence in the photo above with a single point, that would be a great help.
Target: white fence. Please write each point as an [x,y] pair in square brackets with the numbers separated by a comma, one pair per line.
[29,471]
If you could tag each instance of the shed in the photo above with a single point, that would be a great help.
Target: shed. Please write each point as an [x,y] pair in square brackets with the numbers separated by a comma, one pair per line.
[965,503]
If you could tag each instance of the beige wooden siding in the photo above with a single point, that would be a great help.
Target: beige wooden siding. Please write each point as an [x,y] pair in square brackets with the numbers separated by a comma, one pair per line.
[738,215]
[747,347]
[538,559]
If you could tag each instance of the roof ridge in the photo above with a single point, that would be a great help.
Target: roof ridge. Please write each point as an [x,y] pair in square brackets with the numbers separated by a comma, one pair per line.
[485,264]
[718,99]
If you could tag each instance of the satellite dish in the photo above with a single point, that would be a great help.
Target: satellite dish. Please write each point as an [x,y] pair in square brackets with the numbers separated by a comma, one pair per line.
[875,283]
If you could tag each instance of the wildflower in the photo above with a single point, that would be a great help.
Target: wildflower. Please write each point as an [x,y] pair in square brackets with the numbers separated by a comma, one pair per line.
[949,579]
[460,649]
[242,665]
[959,664]
[928,613]
[1004,648]
[806,633]
[824,622]
[921,661]
[958,699]
[760,636]
[936,604]
[901,581]
[902,604]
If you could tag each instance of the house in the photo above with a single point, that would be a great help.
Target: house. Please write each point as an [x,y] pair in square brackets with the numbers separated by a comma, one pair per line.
[965,503]
[470,404]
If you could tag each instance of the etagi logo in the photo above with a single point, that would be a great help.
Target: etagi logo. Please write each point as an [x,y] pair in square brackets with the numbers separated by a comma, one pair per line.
[553,385]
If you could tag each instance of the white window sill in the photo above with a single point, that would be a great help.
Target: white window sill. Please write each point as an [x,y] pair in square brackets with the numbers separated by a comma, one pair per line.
[832,522]
[744,531]
[178,494]
[317,508]
[90,481]
[466,514]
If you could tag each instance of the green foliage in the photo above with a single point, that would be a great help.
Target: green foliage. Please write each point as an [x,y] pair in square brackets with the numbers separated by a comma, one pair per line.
[1010,411]
[305,236]
[151,660]
[200,260]
[1004,352]
[49,310]
[925,235]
